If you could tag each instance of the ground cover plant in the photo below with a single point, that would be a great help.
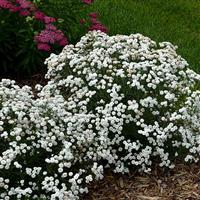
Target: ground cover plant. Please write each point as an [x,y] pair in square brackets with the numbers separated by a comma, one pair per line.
[175,21]
[111,102]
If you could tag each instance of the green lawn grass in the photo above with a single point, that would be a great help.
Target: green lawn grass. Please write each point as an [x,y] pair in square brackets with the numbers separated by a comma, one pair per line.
[177,21]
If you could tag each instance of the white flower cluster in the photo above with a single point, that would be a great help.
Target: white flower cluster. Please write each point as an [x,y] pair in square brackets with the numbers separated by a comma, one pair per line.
[40,147]
[117,102]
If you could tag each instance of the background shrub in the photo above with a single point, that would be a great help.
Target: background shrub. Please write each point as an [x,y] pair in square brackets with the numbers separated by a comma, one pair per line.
[18,52]
[69,14]
[139,92]
[40,26]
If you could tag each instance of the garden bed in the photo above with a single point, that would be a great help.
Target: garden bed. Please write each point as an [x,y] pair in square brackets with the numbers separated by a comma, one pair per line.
[118,117]
[180,183]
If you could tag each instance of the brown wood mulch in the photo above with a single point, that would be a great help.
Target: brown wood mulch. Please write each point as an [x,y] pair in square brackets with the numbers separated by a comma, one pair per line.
[180,183]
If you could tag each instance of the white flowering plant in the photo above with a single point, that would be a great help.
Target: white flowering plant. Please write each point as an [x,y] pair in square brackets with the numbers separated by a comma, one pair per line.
[111,102]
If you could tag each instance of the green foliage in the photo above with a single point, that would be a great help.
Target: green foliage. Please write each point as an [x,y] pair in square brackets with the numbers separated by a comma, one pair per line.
[18,53]
[68,13]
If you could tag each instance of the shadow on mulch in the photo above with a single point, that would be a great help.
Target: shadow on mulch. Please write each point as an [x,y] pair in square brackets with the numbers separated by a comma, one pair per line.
[25,79]
[29,80]
[180,183]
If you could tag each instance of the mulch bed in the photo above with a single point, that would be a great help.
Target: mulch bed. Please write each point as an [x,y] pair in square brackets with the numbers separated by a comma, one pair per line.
[180,183]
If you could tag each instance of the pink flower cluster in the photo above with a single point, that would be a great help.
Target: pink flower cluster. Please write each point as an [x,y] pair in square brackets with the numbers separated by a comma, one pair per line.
[47,37]
[23,7]
[95,24]
[50,35]
[42,17]
[87,1]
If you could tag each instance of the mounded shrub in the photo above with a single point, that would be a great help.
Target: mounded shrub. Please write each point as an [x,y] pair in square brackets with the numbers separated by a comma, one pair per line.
[117,102]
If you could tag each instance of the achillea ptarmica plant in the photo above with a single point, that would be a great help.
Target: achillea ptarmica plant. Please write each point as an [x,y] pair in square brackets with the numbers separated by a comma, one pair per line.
[111,102]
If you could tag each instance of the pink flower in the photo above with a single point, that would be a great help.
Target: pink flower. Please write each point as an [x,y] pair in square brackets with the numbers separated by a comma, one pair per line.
[98,26]
[51,35]
[48,20]
[42,17]
[15,9]
[82,21]
[32,7]
[94,21]
[6,4]
[93,15]
[58,35]
[24,4]
[95,24]
[63,42]
[24,13]
[45,36]
[39,15]
[50,27]
[43,47]
[87,1]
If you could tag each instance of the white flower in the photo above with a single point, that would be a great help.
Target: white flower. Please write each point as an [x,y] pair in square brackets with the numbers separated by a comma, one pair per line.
[118,99]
